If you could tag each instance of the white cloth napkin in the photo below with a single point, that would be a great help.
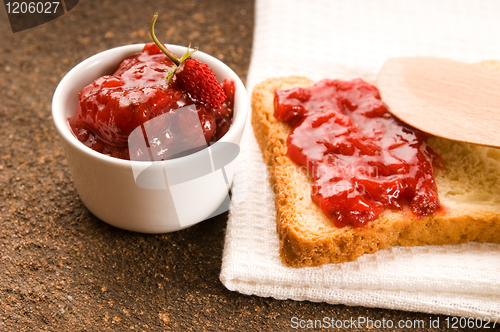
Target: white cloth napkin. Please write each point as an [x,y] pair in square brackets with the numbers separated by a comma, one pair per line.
[349,39]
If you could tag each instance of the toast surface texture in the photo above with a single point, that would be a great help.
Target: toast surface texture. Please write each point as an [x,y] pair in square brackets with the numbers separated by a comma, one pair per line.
[468,187]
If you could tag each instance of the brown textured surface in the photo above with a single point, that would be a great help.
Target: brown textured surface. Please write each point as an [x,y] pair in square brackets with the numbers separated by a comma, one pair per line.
[61,269]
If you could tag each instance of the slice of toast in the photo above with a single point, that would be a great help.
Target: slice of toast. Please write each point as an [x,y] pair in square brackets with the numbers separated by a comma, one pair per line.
[468,187]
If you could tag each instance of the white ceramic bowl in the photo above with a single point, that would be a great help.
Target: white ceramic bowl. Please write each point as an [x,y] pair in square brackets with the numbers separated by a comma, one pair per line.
[107,185]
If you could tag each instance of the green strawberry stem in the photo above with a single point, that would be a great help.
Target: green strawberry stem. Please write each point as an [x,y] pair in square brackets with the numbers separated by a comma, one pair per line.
[171,56]
[178,63]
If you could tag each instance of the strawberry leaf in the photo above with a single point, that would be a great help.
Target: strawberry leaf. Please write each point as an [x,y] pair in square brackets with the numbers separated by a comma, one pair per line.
[188,53]
[170,74]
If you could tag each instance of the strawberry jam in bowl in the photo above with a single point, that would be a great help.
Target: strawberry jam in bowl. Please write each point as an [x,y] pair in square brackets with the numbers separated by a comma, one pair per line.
[112,106]
[118,113]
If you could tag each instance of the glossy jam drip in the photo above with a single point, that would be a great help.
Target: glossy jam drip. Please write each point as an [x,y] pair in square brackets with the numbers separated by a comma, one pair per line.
[361,159]
[111,107]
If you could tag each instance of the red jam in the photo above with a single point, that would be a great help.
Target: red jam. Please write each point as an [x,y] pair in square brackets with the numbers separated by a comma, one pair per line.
[112,106]
[361,159]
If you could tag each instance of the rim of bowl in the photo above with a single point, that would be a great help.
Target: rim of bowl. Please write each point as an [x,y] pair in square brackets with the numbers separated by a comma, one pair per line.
[240,110]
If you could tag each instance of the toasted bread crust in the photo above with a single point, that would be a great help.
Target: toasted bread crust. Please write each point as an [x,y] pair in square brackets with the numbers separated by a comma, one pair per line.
[308,238]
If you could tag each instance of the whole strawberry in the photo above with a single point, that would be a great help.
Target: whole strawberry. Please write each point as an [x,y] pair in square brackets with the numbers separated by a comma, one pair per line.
[194,76]
[199,80]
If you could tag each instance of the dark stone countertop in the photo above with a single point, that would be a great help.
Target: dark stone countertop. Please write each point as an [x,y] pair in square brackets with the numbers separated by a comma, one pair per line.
[62,269]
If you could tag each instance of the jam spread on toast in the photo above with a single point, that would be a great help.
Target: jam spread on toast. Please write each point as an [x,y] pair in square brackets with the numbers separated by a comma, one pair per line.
[361,159]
